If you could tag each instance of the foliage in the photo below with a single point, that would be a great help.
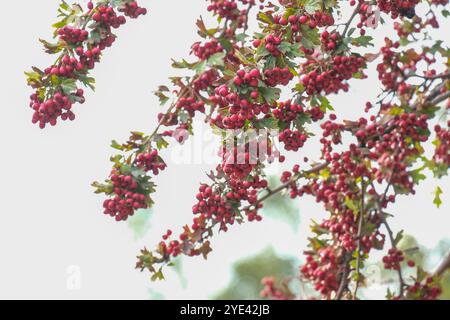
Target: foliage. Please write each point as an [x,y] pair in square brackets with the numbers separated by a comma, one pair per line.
[248,274]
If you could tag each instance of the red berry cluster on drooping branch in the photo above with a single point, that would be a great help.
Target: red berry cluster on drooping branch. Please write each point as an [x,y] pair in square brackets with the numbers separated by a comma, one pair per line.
[236,82]
[81,36]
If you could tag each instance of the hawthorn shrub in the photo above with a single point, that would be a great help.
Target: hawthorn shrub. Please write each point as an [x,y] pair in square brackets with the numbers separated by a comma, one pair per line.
[312,49]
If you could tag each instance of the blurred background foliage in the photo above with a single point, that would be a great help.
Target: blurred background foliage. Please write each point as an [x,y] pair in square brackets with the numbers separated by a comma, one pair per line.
[248,273]
[281,207]
[139,224]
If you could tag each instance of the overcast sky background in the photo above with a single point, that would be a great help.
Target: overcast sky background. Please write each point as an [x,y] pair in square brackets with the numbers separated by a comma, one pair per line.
[50,218]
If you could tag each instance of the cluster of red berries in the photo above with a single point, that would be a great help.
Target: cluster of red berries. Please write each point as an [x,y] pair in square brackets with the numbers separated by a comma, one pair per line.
[329,41]
[203,52]
[221,204]
[210,204]
[108,18]
[126,199]
[67,67]
[172,248]
[343,228]
[318,19]
[331,132]
[133,10]
[442,151]
[272,42]
[278,76]
[367,15]
[238,115]
[150,161]
[287,175]
[389,71]
[250,78]
[50,106]
[72,35]
[271,291]
[393,259]
[90,56]
[395,67]
[341,68]
[205,80]
[228,9]
[323,270]
[428,289]
[242,190]
[167,235]
[215,206]
[287,111]
[224,8]
[240,109]
[399,143]
[191,105]
[398,7]
[292,139]
[48,111]
[237,163]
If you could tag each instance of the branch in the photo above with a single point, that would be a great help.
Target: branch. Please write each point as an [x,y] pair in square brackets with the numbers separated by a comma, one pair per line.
[286,185]
[443,266]
[440,76]
[349,22]
[360,226]
[392,239]
[440,98]
[344,278]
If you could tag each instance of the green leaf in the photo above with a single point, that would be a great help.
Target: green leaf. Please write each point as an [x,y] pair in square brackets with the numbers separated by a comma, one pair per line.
[33,76]
[265,18]
[217,59]
[51,48]
[161,143]
[325,104]
[310,37]
[267,123]
[312,6]
[417,175]
[437,196]
[103,188]
[157,275]
[200,67]
[363,41]
[68,86]
[398,237]
[183,64]
[226,44]
[270,94]
[351,204]
[60,24]
[87,81]
[284,47]
[261,52]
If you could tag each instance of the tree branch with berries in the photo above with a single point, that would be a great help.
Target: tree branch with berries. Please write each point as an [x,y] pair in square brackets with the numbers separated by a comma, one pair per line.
[236,79]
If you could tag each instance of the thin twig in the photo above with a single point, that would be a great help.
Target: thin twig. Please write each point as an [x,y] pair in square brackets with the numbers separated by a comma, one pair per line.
[392,239]
[360,227]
